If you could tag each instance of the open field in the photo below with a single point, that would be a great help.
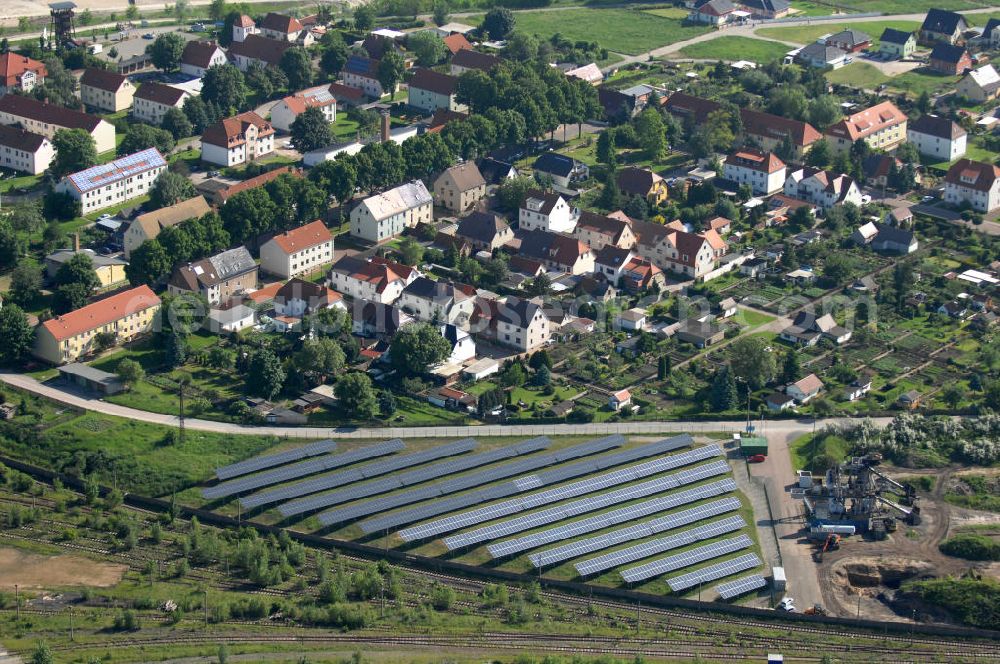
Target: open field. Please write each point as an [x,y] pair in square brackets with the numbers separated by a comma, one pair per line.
[857,74]
[30,570]
[909,6]
[805,34]
[736,48]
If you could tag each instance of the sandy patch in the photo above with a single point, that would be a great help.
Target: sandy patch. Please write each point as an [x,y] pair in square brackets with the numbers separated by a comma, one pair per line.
[30,570]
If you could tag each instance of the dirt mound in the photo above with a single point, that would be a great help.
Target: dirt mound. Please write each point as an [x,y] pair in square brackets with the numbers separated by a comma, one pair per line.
[881,572]
[31,570]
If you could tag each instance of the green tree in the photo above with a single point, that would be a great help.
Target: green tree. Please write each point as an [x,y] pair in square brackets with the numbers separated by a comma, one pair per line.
[27,218]
[26,282]
[824,110]
[170,188]
[177,123]
[217,9]
[75,151]
[247,214]
[540,359]
[417,347]
[337,178]
[69,297]
[752,361]
[322,356]
[427,47]
[611,197]
[223,85]
[42,654]
[441,12]
[148,264]
[791,368]
[16,332]
[650,132]
[606,151]
[357,396]
[364,17]
[411,252]
[722,394]
[166,51]
[498,23]
[130,371]
[79,269]
[819,154]
[265,375]
[311,131]
[335,54]
[390,72]
[297,67]
[543,377]
[12,246]
[142,136]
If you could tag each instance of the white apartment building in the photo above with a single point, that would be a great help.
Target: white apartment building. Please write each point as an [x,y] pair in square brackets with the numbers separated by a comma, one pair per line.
[299,251]
[547,211]
[115,182]
[23,151]
[974,182]
[152,101]
[763,171]
[237,140]
[283,113]
[385,215]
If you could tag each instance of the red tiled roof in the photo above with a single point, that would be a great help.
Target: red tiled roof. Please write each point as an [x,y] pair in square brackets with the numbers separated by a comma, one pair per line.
[428,79]
[100,313]
[303,237]
[868,121]
[257,181]
[159,93]
[756,123]
[280,23]
[456,42]
[232,131]
[199,53]
[765,162]
[13,66]
[28,107]
[972,174]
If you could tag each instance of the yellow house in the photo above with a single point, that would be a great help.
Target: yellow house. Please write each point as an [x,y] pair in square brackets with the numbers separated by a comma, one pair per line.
[645,183]
[883,127]
[125,315]
[110,271]
[106,90]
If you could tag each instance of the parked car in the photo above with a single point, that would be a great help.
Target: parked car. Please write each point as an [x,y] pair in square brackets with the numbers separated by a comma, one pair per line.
[149,35]
[757,458]
[787,604]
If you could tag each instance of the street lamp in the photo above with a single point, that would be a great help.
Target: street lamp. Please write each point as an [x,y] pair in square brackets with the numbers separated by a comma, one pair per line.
[747,383]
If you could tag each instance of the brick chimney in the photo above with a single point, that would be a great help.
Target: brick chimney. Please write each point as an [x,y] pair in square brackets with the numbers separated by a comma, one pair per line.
[385,126]
[76,242]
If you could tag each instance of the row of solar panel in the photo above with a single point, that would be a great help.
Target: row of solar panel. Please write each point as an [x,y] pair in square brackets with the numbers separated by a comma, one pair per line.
[638,531]
[301,469]
[681,560]
[713,572]
[450,486]
[732,589]
[357,474]
[588,485]
[600,521]
[408,478]
[509,488]
[256,463]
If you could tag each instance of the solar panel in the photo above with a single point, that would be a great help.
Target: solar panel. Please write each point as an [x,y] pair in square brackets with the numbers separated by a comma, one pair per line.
[656,546]
[301,469]
[685,559]
[581,487]
[516,486]
[256,463]
[713,572]
[731,589]
[351,475]
[117,170]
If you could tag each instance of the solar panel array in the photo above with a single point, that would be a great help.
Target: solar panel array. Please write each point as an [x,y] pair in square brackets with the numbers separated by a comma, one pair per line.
[659,545]
[444,488]
[256,463]
[732,589]
[454,485]
[638,531]
[357,474]
[512,487]
[585,486]
[713,572]
[409,478]
[685,559]
[301,469]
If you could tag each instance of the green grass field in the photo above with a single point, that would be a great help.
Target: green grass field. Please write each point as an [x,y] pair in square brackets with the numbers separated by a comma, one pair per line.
[736,48]
[909,6]
[618,30]
[859,74]
[806,34]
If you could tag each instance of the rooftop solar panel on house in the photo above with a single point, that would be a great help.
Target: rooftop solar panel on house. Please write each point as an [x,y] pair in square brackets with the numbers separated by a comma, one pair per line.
[686,559]
[732,589]
[256,463]
[713,572]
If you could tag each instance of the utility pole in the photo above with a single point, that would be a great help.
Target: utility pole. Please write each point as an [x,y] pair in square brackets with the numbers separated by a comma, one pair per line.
[17,602]
[180,411]
[859,605]
[206,608]
[71,624]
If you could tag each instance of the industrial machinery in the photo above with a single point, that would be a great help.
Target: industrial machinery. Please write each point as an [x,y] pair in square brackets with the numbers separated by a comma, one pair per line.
[857,494]
[831,543]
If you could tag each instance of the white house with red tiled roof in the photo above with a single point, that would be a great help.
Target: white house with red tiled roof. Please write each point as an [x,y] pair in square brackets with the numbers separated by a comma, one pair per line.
[106,90]
[823,189]
[243,27]
[23,151]
[298,251]
[281,27]
[974,182]
[620,399]
[19,72]
[763,171]
[45,119]
[237,140]
[692,255]
[125,315]
[374,280]
[152,101]
[283,113]
[199,56]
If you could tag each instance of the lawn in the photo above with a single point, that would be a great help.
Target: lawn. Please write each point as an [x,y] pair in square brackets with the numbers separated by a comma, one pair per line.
[736,48]
[752,318]
[909,6]
[804,9]
[618,30]
[857,74]
[669,12]
[17,181]
[805,34]
[922,80]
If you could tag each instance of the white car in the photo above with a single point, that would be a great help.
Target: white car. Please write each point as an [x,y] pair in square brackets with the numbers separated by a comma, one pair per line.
[787,604]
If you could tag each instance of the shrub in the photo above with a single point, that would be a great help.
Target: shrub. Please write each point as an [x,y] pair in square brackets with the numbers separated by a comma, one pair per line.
[971,547]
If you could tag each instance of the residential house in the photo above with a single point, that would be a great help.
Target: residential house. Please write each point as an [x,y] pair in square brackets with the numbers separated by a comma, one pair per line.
[805,389]
[821,55]
[712,12]
[689,254]
[893,240]
[900,217]
[284,113]
[767,8]
[24,151]
[456,42]
[942,26]
[496,171]
[851,41]
[937,137]
[598,231]
[216,278]
[864,234]
[859,387]
[468,60]
[725,308]
[764,172]
[897,44]
[438,301]
[754,268]
[217,192]
[980,85]
[882,127]
[45,120]
[547,211]
[463,346]
[298,298]
[448,397]
[991,33]
[378,320]
[452,28]
[517,323]
[430,90]
[257,50]
[773,132]
[949,60]
[619,400]
[701,333]
[610,262]
[115,182]
[558,252]
[231,319]
[124,315]
[299,251]
[590,73]
[563,170]
[631,320]
[720,225]
[362,73]
[147,226]
[243,27]
[779,401]
[909,400]
[954,309]
[644,183]
[690,108]
[877,167]
[373,280]
[200,56]
[280,27]
[110,271]
[384,216]
[347,95]
[484,231]
[974,182]
[822,188]
[106,90]
[807,329]
[237,140]
[460,187]
[152,101]
[20,73]
[617,105]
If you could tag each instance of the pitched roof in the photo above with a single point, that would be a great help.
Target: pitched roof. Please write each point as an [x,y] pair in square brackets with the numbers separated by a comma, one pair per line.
[756,123]
[681,103]
[102,79]
[598,223]
[255,47]
[766,5]
[765,162]
[465,176]
[894,36]
[28,107]
[377,45]
[934,125]
[346,92]
[159,93]
[852,38]
[715,7]
[637,180]
[214,270]
[377,271]
[948,53]
[399,199]
[428,289]
[116,170]
[821,52]
[303,237]
[986,77]
[870,120]
[516,311]
[553,247]
[61,256]
[257,181]
[810,383]
[443,116]
[19,139]
[280,23]
[893,235]
[590,73]
[300,289]
[456,42]
[243,21]
[555,163]
[101,313]
[878,165]
[199,53]
[362,66]
[943,21]
[13,66]
[482,227]
[232,131]
[153,222]
[432,81]
[991,25]
[471,59]
[542,202]
[316,97]
[612,256]
[972,174]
